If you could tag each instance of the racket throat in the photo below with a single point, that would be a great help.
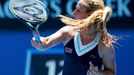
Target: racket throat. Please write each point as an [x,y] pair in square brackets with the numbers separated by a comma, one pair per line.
[34,31]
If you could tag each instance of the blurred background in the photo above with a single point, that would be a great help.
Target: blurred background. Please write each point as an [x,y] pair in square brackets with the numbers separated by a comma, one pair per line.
[18,57]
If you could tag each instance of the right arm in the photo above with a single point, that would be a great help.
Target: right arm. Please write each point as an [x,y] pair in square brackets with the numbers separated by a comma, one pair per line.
[50,41]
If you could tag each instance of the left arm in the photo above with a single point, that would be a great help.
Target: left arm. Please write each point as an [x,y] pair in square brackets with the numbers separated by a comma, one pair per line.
[108,60]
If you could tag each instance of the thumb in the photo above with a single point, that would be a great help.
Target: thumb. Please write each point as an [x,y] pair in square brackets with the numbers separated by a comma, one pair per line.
[93,67]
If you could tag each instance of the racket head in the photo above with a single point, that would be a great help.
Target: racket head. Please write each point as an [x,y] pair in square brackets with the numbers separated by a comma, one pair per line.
[32,11]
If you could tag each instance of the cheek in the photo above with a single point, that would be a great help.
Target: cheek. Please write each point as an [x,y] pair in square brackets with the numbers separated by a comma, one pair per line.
[80,15]
[77,16]
[83,16]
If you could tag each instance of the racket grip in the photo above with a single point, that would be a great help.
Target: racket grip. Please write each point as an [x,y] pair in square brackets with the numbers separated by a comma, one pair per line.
[36,36]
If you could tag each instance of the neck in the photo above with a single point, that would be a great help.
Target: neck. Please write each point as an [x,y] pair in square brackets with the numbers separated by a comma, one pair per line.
[86,34]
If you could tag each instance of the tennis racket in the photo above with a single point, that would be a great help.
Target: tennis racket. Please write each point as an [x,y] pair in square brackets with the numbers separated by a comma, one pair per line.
[32,12]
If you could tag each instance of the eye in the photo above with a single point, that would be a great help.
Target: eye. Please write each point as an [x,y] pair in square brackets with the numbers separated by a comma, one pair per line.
[77,10]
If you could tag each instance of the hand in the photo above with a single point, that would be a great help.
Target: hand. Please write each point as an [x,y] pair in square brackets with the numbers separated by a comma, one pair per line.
[92,70]
[39,46]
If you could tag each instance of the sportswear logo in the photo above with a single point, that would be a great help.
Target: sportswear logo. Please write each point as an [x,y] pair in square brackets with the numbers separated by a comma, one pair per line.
[68,50]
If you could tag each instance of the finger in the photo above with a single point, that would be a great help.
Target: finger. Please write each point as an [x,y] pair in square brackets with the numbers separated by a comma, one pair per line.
[91,64]
[33,39]
[32,43]
[35,44]
[87,72]
[91,73]
[93,67]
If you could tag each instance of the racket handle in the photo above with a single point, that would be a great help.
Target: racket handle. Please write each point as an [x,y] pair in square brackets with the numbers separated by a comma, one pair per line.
[36,36]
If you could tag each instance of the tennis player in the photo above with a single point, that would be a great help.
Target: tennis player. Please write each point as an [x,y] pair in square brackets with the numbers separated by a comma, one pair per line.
[87,44]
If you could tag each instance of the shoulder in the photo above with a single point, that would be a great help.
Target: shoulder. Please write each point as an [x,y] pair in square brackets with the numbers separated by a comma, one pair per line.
[65,29]
[68,30]
[105,50]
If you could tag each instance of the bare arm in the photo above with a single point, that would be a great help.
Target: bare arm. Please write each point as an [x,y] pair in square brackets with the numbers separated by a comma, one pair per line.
[50,41]
[108,59]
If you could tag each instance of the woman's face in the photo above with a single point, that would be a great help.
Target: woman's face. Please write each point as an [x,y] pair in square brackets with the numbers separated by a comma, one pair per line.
[80,12]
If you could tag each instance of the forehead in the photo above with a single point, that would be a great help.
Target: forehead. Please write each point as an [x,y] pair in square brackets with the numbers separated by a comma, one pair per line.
[79,5]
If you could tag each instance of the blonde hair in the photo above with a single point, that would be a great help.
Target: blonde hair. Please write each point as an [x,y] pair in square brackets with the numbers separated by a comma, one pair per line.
[99,17]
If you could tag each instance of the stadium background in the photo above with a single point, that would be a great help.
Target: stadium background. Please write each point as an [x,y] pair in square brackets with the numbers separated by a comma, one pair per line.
[17,57]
